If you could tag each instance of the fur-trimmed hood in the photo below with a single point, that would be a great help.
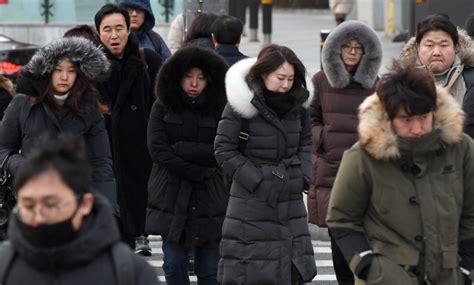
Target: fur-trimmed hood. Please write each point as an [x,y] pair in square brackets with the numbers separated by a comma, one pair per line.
[368,68]
[465,50]
[168,84]
[240,95]
[379,139]
[90,59]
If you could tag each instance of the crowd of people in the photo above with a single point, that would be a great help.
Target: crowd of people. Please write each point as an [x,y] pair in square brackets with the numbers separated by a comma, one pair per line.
[111,136]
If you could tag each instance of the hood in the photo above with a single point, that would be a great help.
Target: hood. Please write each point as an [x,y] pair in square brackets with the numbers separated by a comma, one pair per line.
[97,233]
[240,95]
[90,59]
[368,68]
[168,83]
[144,5]
[380,141]
[465,50]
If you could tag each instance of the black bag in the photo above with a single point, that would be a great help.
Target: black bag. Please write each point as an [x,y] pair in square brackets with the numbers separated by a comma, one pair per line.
[7,197]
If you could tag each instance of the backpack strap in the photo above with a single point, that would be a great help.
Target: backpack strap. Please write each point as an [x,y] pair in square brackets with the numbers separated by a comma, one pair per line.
[7,253]
[468,75]
[123,264]
[244,134]
[143,57]
[155,40]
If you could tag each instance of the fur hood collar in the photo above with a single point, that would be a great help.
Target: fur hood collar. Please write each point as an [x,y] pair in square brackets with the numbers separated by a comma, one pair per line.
[334,68]
[90,59]
[465,50]
[240,95]
[168,84]
[380,141]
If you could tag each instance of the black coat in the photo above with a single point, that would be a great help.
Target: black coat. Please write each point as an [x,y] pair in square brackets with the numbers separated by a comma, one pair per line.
[85,260]
[128,93]
[230,53]
[265,231]
[187,199]
[5,99]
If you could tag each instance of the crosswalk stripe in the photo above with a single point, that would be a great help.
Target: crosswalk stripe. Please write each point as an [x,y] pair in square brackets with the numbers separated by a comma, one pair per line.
[317,249]
[319,263]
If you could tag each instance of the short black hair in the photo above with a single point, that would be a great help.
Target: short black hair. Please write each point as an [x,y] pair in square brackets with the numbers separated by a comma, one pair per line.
[436,22]
[469,25]
[65,154]
[111,8]
[83,31]
[407,87]
[227,29]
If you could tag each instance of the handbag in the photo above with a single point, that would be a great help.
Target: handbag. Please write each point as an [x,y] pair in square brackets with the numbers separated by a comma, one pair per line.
[7,197]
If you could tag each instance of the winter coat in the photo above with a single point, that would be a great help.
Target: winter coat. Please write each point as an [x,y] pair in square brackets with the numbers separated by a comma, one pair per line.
[468,107]
[265,231]
[230,53]
[187,198]
[411,201]
[5,98]
[85,260]
[26,122]
[147,37]
[129,96]
[176,33]
[333,109]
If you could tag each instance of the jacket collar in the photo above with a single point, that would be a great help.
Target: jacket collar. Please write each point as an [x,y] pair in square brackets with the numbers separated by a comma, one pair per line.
[240,95]
[380,141]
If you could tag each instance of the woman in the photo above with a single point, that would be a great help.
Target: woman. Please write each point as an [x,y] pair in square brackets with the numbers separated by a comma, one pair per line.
[351,59]
[200,30]
[186,196]
[402,206]
[263,143]
[55,95]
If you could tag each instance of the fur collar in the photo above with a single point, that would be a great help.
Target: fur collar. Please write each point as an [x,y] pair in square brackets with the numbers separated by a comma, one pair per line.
[239,94]
[334,68]
[465,50]
[379,139]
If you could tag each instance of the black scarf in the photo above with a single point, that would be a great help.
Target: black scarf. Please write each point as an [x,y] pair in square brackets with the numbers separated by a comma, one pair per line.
[280,102]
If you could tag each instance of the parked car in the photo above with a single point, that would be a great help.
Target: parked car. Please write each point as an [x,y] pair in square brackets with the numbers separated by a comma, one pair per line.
[13,55]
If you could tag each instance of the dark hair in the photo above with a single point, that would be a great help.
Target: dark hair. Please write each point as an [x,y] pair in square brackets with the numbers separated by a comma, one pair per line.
[407,87]
[5,84]
[271,58]
[111,8]
[83,31]
[65,154]
[436,22]
[469,25]
[201,27]
[227,29]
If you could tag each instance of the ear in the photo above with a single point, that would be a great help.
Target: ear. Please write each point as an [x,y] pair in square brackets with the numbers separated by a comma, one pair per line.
[87,204]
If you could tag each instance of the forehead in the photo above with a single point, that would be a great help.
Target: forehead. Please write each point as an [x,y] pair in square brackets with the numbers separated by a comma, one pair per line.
[65,63]
[195,70]
[436,36]
[113,19]
[353,43]
[284,69]
[43,185]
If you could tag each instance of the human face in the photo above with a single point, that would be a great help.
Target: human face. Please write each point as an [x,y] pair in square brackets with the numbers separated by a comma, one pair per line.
[193,82]
[437,51]
[45,199]
[414,126]
[63,77]
[113,33]
[351,53]
[281,79]
[137,17]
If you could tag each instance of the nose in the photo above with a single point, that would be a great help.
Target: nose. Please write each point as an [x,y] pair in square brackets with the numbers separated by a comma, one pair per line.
[285,84]
[436,50]
[194,81]
[38,218]
[416,129]
[64,75]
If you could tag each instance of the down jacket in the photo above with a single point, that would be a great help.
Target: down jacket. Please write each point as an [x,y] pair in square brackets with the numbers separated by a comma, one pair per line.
[265,231]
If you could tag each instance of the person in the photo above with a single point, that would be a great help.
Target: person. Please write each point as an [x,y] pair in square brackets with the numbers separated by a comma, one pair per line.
[187,197]
[226,34]
[200,30]
[83,31]
[55,95]
[7,91]
[469,25]
[340,9]
[351,58]
[142,22]
[265,237]
[61,232]
[128,93]
[402,205]
[446,52]
[175,37]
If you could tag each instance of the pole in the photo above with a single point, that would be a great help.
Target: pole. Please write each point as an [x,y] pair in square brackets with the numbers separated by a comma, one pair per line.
[253,19]
[323,35]
[267,21]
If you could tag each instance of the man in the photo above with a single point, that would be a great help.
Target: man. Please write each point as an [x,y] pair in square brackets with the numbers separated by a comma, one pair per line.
[142,22]
[402,205]
[446,52]
[128,94]
[61,233]
[226,35]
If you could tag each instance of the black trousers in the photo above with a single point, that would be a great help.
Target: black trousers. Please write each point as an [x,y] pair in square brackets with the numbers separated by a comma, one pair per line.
[344,274]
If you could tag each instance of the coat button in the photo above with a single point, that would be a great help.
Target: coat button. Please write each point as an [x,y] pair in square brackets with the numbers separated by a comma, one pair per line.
[196,238]
[133,107]
[193,208]
[413,200]
[418,238]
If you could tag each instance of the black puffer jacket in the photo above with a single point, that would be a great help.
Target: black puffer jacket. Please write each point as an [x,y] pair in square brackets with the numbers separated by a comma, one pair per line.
[265,231]
[186,195]
[85,260]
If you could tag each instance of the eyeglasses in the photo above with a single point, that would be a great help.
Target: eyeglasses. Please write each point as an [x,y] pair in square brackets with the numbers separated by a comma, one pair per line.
[349,48]
[133,9]
[47,211]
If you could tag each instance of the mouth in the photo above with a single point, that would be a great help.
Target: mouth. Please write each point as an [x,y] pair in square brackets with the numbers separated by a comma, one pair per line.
[114,45]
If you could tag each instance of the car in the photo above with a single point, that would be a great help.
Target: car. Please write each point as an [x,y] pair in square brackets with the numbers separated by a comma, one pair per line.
[13,55]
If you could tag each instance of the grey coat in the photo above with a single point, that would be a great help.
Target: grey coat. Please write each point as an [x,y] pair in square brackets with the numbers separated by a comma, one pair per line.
[265,230]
